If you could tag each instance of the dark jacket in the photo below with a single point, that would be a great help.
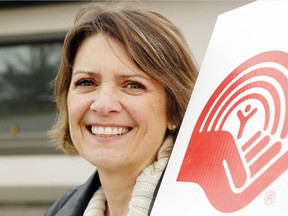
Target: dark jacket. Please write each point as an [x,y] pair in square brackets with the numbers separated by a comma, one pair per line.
[74,202]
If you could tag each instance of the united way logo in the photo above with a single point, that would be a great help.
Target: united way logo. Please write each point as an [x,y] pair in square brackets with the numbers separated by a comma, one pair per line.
[239,145]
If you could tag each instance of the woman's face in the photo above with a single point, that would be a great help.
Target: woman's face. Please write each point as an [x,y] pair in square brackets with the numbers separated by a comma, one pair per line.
[117,114]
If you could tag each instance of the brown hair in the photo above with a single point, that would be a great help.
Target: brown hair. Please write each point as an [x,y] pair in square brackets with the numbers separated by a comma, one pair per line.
[154,43]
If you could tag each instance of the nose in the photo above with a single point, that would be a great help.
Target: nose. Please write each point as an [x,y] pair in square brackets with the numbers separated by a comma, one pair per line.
[105,102]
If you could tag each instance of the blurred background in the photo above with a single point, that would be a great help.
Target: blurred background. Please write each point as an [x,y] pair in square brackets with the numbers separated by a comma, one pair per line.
[32,173]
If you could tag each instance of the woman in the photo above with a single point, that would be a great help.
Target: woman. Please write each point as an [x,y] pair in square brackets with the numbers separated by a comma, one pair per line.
[122,89]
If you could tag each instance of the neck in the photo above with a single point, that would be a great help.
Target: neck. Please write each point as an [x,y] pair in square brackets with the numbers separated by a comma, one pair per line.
[118,189]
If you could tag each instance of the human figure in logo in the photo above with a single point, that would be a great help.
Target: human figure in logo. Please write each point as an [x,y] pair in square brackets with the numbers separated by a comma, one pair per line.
[244,118]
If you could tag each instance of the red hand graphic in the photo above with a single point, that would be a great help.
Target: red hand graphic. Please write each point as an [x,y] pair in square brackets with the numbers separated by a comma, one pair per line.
[206,168]
[234,168]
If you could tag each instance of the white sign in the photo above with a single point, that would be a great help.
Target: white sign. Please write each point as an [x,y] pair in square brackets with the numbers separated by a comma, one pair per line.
[231,154]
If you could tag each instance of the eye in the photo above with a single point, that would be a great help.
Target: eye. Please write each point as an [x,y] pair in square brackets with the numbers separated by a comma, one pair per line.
[135,85]
[85,82]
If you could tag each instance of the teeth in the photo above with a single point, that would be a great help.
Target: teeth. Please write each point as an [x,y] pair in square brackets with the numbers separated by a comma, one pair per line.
[108,131]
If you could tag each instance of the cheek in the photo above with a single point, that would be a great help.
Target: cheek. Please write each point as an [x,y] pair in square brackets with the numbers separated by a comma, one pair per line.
[149,111]
[158,107]
[135,111]
[77,106]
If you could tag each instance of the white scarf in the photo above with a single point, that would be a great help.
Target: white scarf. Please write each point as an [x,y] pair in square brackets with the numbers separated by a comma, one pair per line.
[143,190]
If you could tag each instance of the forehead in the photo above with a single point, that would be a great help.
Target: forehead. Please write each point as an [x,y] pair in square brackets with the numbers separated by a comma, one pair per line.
[100,45]
[101,52]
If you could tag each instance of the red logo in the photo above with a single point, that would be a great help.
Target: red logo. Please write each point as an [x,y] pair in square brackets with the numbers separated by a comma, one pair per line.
[239,145]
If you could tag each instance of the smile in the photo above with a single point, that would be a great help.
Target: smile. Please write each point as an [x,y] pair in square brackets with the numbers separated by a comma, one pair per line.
[108,131]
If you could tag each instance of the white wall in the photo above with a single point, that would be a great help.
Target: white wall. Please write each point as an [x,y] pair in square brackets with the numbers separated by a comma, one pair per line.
[21,21]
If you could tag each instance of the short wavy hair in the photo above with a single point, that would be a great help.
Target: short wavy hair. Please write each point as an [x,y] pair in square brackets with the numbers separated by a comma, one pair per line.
[153,42]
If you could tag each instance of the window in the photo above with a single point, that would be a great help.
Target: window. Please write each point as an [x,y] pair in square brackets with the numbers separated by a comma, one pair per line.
[26,108]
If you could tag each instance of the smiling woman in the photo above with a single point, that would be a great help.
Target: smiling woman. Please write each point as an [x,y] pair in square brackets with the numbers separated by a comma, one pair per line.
[122,89]
[118,95]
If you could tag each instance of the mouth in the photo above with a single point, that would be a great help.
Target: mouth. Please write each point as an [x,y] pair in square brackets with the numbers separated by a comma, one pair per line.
[108,131]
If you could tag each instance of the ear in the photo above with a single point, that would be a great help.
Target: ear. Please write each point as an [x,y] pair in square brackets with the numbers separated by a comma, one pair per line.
[171,127]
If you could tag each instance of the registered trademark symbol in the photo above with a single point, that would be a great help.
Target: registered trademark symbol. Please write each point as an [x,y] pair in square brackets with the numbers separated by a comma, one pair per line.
[270,198]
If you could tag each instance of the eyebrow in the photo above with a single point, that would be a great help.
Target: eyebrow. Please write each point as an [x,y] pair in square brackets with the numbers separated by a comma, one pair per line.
[132,76]
[90,73]
[95,73]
